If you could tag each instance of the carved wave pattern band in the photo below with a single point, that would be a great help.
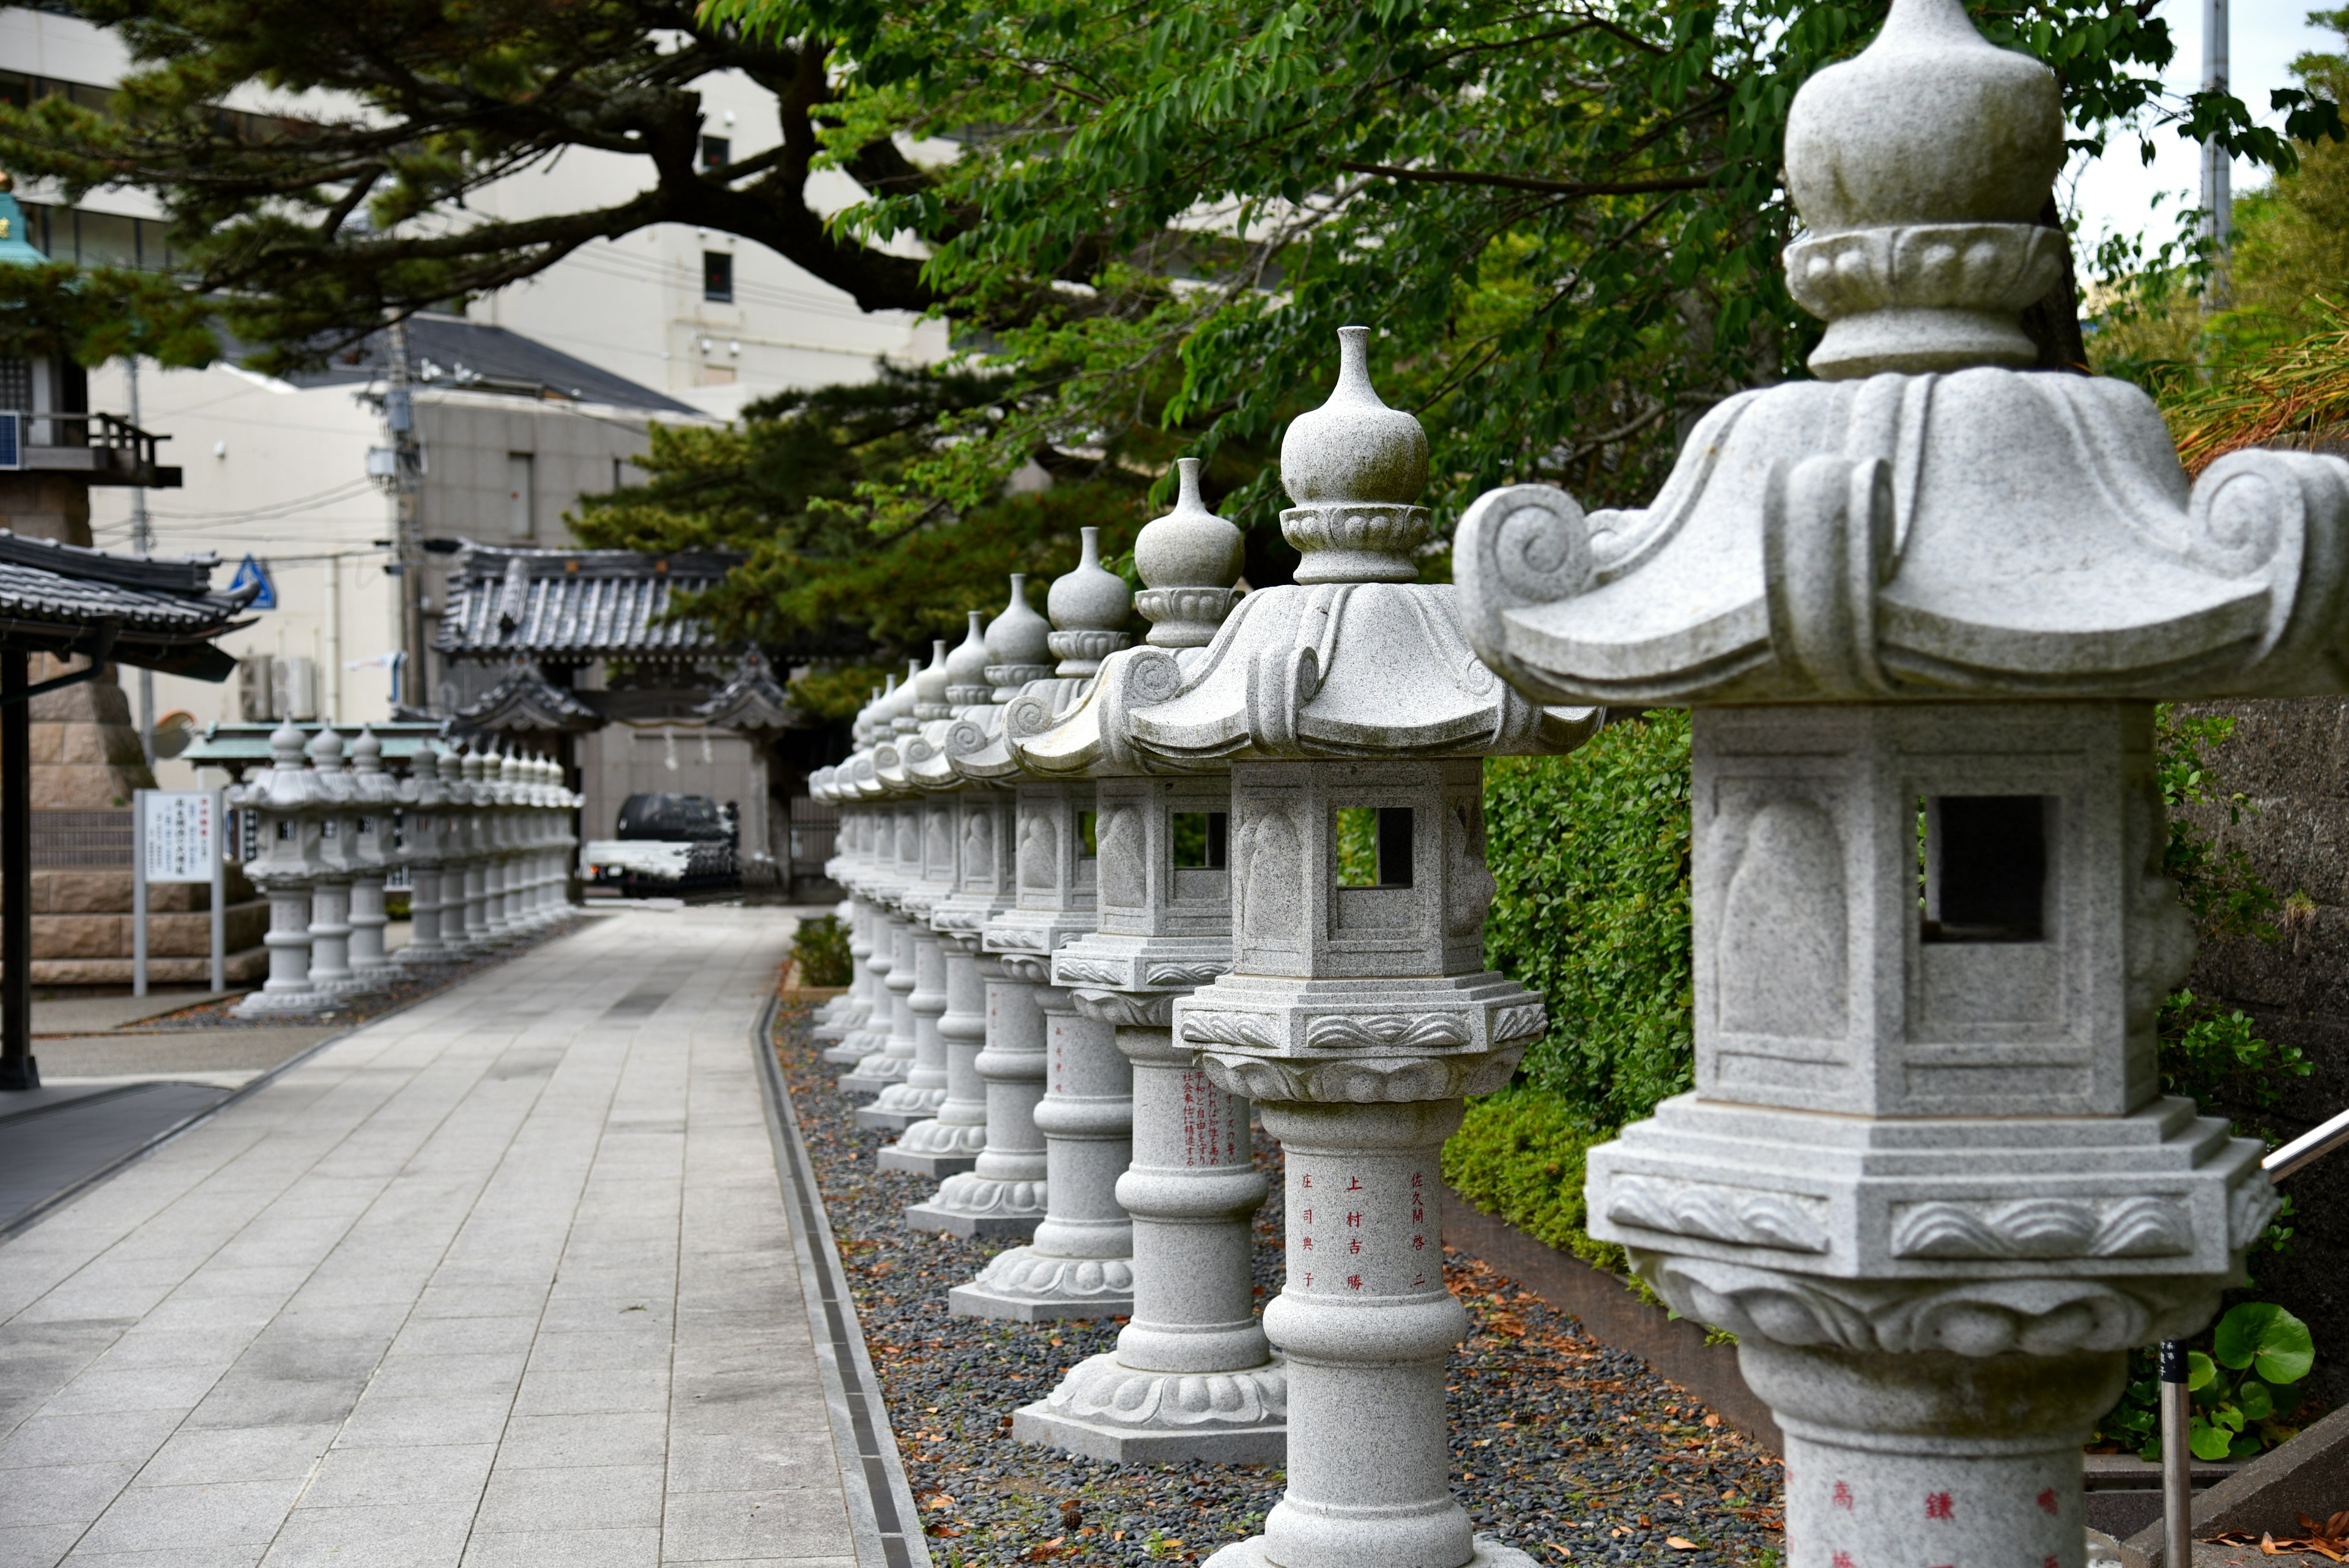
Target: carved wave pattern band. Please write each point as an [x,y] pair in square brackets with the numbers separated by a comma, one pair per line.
[1031,1275]
[1362,1080]
[1745,1216]
[1100,971]
[1232,1029]
[1409,1031]
[1101,1390]
[1524,1021]
[2139,1227]
[1185,973]
[1975,1317]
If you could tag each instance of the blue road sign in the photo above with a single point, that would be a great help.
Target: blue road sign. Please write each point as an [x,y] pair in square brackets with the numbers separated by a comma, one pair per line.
[251,571]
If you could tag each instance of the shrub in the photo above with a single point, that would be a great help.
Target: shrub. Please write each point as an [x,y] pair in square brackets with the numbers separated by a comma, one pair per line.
[820,952]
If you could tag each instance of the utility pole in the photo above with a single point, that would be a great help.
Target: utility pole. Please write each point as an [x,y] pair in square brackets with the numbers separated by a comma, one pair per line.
[408,547]
[143,543]
[2218,169]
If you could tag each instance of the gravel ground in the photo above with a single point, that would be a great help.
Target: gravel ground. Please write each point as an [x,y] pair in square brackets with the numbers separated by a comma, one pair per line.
[1561,1446]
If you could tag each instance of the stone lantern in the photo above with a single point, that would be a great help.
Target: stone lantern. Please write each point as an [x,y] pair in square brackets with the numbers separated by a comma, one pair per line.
[1080,1263]
[917,1096]
[1192,1376]
[330,885]
[978,826]
[481,796]
[1919,607]
[456,840]
[1002,1194]
[852,866]
[424,805]
[282,797]
[374,794]
[1358,1010]
[893,1060]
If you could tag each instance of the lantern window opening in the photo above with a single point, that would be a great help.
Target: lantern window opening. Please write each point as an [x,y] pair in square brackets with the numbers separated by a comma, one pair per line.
[1087,838]
[1199,840]
[1982,866]
[1373,845]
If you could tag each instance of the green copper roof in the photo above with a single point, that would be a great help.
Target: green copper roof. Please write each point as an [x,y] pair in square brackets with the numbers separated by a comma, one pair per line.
[17,248]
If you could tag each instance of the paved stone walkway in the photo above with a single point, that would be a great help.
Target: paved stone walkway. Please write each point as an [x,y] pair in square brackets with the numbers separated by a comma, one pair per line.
[503,1278]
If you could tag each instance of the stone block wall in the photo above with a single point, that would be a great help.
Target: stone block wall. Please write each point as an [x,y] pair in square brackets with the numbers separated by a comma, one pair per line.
[2290,758]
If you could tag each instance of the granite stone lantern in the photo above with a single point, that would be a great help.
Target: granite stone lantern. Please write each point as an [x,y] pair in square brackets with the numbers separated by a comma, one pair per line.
[893,1060]
[1358,1011]
[374,795]
[330,885]
[1080,1261]
[457,933]
[1003,1192]
[1192,1376]
[1920,607]
[858,855]
[281,798]
[917,1096]
[481,794]
[979,826]
[424,805]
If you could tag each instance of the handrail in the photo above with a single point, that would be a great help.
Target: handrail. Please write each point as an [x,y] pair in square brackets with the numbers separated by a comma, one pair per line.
[2308,1148]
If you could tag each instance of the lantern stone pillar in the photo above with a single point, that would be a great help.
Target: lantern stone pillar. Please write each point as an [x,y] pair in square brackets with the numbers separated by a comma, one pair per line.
[330,886]
[1080,1261]
[457,854]
[894,1059]
[373,796]
[1920,607]
[424,808]
[281,798]
[1192,1376]
[1358,1011]
[1003,1192]
[479,795]
[949,1140]
[917,1096]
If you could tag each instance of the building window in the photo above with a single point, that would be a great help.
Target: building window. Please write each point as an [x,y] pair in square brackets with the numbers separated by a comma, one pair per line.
[519,510]
[716,151]
[718,276]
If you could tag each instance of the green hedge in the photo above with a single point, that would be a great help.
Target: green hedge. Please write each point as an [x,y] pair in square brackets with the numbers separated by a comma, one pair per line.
[1589,855]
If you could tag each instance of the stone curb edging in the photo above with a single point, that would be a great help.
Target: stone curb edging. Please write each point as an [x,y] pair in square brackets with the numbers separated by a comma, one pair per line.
[882,1514]
[2308,1474]
[1674,1346]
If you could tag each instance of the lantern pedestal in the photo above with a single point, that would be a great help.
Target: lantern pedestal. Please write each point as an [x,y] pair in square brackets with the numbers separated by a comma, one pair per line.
[896,1058]
[917,1096]
[288,987]
[1080,1263]
[1002,1194]
[949,1141]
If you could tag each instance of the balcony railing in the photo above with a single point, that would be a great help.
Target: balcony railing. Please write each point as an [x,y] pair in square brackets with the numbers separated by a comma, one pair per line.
[105,448]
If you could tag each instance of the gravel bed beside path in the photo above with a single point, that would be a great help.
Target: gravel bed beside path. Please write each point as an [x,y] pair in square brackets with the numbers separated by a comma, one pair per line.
[1561,1446]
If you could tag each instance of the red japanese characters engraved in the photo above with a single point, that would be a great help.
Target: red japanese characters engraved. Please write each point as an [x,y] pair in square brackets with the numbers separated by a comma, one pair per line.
[1938,1505]
[1353,1281]
[2047,1500]
[1353,1184]
[1843,1560]
[1355,1219]
[1841,1497]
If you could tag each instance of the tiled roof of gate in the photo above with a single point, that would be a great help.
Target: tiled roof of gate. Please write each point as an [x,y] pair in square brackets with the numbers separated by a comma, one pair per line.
[575,606]
[152,604]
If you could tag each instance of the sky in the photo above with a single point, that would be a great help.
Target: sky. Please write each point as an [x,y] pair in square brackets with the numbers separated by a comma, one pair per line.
[2117,191]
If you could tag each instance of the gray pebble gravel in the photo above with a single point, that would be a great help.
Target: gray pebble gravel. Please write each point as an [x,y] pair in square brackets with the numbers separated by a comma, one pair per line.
[1561,1446]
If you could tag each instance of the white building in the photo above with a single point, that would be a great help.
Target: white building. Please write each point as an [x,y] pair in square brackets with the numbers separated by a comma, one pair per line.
[542,396]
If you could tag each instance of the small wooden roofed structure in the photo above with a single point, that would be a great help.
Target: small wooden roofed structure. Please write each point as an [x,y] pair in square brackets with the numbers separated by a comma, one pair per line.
[66,601]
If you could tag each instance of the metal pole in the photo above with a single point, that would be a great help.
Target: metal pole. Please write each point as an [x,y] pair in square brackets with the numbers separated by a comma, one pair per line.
[220,891]
[407,544]
[139,892]
[18,1070]
[143,543]
[2176,1458]
[2218,168]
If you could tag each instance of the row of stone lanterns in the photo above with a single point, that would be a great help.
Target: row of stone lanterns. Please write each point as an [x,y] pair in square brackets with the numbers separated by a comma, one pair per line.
[1920,607]
[486,839]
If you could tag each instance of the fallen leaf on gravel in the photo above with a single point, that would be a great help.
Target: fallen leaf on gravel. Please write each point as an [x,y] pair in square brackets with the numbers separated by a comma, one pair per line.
[1682,1543]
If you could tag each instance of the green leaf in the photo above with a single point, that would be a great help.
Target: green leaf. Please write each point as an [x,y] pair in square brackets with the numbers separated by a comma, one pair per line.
[2211,1443]
[2257,1400]
[2199,1370]
[2271,1341]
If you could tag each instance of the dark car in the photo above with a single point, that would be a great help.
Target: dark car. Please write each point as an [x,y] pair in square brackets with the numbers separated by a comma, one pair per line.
[666,844]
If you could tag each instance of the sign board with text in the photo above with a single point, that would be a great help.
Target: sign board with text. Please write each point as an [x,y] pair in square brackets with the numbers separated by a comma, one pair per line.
[183,841]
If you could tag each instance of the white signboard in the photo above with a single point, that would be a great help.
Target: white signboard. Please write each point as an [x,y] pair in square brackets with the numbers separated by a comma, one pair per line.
[182,835]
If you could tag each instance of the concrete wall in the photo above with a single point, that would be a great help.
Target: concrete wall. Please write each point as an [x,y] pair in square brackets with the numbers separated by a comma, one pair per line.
[2290,758]
[622,760]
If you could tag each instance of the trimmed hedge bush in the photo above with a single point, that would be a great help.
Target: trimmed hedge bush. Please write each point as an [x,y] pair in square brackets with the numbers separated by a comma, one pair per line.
[1589,855]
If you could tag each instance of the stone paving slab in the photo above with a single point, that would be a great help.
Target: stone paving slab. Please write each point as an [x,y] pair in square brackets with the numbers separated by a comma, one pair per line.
[505,1278]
